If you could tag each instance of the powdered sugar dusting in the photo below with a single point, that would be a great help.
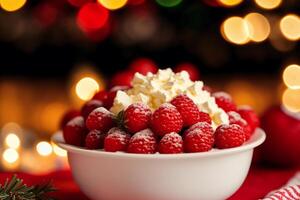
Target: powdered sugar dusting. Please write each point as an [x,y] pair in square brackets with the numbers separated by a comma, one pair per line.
[145,134]
[77,121]
[104,112]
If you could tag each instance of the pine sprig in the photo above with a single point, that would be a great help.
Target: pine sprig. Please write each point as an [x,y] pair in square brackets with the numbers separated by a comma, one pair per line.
[15,189]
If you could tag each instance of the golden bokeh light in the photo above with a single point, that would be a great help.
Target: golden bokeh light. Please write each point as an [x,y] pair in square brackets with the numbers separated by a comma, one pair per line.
[258,26]
[113,4]
[12,5]
[230,3]
[291,76]
[12,141]
[235,30]
[44,148]
[10,155]
[59,151]
[86,88]
[11,127]
[268,4]
[290,27]
[290,100]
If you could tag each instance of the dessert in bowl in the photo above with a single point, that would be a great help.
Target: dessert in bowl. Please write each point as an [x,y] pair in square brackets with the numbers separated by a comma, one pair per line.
[166,138]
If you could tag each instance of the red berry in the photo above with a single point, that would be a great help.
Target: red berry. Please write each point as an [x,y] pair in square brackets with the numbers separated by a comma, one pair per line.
[188,110]
[225,101]
[250,116]
[116,140]
[112,94]
[100,119]
[207,89]
[68,116]
[198,139]
[171,143]
[228,136]
[123,78]
[203,126]
[235,118]
[74,132]
[191,69]
[143,66]
[100,96]
[137,117]
[143,142]
[89,106]
[94,140]
[166,119]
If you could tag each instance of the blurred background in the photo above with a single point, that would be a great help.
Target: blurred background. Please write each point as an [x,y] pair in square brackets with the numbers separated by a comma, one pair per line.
[56,53]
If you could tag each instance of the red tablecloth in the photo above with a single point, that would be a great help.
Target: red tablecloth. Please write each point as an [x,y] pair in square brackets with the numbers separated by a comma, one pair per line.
[259,182]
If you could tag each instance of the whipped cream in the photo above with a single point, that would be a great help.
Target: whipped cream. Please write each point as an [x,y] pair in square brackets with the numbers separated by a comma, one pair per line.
[156,89]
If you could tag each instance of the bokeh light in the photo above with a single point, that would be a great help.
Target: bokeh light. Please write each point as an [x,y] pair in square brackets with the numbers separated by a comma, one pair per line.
[59,151]
[12,5]
[168,3]
[86,88]
[290,100]
[291,76]
[44,148]
[230,3]
[92,16]
[258,26]
[11,127]
[12,141]
[290,27]
[235,30]
[10,155]
[268,4]
[113,4]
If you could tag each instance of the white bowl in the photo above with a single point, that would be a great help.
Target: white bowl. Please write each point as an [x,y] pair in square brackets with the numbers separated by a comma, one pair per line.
[213,175]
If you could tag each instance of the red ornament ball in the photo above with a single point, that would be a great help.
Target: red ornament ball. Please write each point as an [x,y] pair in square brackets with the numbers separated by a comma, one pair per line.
[143,66]
[191,69]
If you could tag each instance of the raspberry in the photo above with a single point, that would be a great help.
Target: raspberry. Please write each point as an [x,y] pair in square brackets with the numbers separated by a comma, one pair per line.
[143,66]
[228,136]
[116,140]
[89,106]
[250,116]
[204,117]
[137,117]
[94,140]
[143,142]
[198,139]
[68,116]
[188,110]
[191,69]
[100,119]
[207,89]
[171,143]
[111,96]
[203,126]
[74,132]
[224,101]
[123,78]
[100,96]
[235,118]
[166,119]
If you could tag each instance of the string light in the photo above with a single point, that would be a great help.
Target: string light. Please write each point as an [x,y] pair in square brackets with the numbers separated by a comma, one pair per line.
[230,3]
[268,4]
[290,27]
[92,16]
[12,5]
[113,4]
[59,151]
[290,100]
[235,30]
[168,3]
[291,76]
[10,155]
[44,148]
[258,26]
[86,88]
[12,141]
